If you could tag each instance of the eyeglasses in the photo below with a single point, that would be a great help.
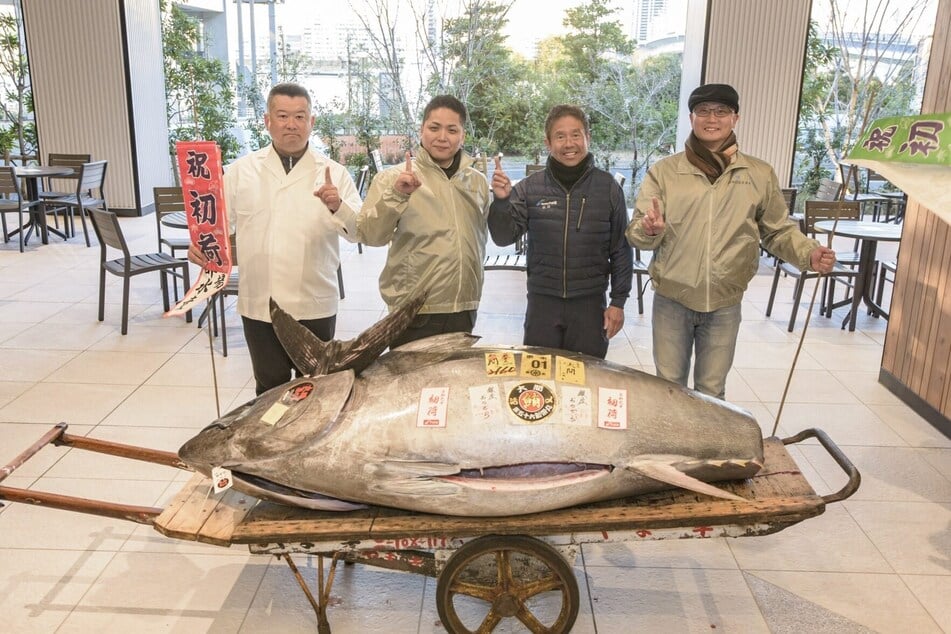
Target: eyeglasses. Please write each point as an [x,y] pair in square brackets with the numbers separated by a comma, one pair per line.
[719,113]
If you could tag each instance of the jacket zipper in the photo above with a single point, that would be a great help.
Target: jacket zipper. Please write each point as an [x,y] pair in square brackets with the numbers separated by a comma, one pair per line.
[564,249]
[581,214]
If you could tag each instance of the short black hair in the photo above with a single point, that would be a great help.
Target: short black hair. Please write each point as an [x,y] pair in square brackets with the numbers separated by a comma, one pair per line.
[566,110]
[288,89]
[446,101]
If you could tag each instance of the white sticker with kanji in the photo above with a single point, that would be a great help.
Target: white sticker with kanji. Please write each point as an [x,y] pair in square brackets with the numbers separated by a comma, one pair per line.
[433,407]
[221,479]
[576,405]
[612,408]
[486,403]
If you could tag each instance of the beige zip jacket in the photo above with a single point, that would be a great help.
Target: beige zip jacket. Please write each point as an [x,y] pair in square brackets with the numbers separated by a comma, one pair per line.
[436,235]
[709,249]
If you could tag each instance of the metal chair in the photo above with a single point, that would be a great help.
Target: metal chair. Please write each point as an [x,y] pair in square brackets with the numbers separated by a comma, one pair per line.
[106,225]
[815,211]
[89,193]
[11,201]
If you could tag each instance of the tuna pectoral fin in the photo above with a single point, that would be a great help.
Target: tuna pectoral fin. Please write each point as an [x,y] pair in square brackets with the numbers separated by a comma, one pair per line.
[313,356]
[412,477]
[664,472]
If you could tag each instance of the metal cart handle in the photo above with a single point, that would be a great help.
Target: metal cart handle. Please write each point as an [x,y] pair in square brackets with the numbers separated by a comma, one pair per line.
[855,478]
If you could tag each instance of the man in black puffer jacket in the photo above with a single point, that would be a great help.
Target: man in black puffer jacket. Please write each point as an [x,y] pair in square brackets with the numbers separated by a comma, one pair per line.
[574,215]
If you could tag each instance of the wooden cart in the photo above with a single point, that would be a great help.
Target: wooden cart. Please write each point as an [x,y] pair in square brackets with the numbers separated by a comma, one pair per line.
[508,567]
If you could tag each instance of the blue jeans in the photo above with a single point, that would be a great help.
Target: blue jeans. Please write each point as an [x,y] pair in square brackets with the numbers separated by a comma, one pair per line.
[678,331]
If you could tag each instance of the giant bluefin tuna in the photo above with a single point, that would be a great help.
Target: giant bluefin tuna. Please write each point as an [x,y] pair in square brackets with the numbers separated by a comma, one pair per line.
[441,426]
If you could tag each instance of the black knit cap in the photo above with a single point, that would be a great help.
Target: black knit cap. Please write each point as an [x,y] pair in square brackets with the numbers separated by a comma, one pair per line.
[718,93]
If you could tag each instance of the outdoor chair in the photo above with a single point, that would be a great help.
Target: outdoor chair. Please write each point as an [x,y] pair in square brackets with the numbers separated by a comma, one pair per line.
[89,193]
[106,225]
[11,201]
[51,190]
[814,212]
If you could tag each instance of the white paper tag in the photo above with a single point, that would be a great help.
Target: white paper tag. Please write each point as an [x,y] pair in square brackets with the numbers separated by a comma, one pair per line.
[221,479]
[486,403]
[576,405]
[433,407]
[612,408]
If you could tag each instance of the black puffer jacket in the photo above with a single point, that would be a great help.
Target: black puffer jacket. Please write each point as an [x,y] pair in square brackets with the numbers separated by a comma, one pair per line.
[575,237]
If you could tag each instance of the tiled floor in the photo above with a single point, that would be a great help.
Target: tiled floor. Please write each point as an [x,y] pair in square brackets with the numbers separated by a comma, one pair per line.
[880,561]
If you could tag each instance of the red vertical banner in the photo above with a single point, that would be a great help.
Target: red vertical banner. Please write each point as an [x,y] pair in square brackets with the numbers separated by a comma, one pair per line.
[200,172]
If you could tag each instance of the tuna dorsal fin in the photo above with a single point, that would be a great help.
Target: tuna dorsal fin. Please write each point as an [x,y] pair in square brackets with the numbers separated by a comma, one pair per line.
[447,342]
[314,357]
[664,472]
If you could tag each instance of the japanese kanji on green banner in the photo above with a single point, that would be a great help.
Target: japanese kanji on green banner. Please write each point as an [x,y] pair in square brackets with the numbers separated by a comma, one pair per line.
[914,153]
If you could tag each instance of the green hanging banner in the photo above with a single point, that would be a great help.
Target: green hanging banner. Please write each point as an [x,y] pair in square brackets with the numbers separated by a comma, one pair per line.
[914,153]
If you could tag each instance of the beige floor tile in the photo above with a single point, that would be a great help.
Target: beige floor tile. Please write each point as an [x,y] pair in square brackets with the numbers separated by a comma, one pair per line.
[856,597]
[898,474]
[151,340]
[10,390]
[25,311]
[772,354]
[73,403]
[185,369]
[32,365]
[807,386]
[170,406]
[673,600]
[846,424]
[933,592]
[166,583]
[915,538]
[846,357]
[140,620]
[115,367]
[52,336]
[832,542]
[865,386]
[38,588]
[916,431]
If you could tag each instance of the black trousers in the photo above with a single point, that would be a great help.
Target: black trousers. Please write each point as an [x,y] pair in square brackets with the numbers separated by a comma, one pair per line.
[269,361]
[575,324]
[430,324]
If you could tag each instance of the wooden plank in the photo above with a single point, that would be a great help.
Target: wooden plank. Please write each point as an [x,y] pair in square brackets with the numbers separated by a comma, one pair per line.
[230,511]
[178,502]
[193,512]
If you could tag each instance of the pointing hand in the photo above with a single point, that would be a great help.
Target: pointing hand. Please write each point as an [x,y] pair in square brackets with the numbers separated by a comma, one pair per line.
[501,183]
[328,193]
[407,182]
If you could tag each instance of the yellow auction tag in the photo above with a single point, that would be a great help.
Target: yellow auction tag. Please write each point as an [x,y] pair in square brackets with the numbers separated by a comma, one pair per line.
[537,366]
[569,370]
[500,363]
[274,413]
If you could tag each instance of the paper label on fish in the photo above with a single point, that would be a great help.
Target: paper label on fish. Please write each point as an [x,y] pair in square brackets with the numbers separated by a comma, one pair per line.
[532,402]
[274,413]
[612,408]
[486,403]
[569,370]
[537,366]
[221,479]
[433,407]
[576,405]
[500,364]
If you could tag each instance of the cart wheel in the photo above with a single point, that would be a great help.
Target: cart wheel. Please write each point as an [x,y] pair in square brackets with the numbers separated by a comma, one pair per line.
[510,576]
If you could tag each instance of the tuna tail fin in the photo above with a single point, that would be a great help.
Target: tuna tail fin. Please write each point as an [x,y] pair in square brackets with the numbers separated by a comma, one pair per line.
[664,472]
[315,357]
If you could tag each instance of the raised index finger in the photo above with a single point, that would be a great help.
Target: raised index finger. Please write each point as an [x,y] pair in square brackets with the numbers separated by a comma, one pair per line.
[409,162]
[655,208]
[327,180]
[498,162]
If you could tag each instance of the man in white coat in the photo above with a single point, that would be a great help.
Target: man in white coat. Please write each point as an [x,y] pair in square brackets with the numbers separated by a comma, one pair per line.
[287,204]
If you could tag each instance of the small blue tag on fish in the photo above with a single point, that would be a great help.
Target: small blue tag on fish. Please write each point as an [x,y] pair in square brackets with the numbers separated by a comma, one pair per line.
[531,402]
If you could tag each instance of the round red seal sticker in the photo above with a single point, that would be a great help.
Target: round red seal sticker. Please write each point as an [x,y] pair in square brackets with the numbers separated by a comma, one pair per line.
[531,402]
